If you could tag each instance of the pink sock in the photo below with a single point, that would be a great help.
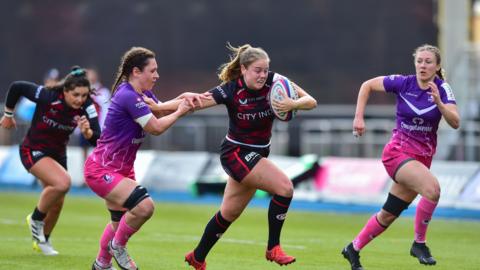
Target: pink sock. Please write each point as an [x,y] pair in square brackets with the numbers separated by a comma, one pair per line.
[423,216]
[104,256]
[123,233]
[371,230]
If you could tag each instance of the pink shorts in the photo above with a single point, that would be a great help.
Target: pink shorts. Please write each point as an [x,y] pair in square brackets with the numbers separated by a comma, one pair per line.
[394,158]
[102,180]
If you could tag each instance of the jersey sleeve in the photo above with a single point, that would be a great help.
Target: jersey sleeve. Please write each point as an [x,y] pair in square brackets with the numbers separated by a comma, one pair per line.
[92,116]
[446,94]
[222,94]
[136,108]
[31,91]
[393,83]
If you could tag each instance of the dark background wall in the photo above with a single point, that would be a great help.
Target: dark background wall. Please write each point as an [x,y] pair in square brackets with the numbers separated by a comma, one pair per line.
[327,46]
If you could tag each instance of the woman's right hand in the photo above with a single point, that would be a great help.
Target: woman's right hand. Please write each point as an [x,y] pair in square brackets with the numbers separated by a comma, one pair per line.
[184,107]
[150,102]
[8,122]
[358,126]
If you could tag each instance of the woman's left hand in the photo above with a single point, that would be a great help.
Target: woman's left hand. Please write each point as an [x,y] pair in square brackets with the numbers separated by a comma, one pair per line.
[191,98]
[285,105]
[84,126]
[434,93]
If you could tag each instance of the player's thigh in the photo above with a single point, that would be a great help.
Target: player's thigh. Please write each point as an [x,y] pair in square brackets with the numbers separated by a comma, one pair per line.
[50,172]
[120,193]
[268,177]
[235,198]
[417,177]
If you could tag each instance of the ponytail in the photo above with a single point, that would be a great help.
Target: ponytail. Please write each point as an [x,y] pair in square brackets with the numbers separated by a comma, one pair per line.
[243,55]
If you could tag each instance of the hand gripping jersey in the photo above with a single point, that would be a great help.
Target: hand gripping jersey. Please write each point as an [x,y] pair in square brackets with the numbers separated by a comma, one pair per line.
[250,116]
[417,115]
[122,136]
[53,120]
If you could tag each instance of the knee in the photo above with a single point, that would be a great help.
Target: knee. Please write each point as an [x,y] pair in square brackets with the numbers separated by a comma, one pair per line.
[144,210]
[63,185]
[285,188]
[432,192]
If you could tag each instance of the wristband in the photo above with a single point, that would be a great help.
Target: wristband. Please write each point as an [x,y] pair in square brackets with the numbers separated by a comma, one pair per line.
[8,114]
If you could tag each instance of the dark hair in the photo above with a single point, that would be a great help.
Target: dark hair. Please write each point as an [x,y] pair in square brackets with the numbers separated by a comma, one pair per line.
[136,57]
[76,78]
[242,55]
[436,51]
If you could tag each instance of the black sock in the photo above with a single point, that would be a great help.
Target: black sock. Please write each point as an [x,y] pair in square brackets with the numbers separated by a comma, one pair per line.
[277,212]
[213,231]
[46,237]
[37,215]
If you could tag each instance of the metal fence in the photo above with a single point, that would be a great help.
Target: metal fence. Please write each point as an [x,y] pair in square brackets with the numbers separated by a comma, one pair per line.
[317,133]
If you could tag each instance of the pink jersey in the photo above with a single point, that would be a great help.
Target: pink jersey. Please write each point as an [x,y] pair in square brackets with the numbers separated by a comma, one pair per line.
[417,115]
[122,136]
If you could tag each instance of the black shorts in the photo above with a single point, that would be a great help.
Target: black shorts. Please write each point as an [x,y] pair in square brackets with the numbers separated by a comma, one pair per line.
[29,157]
[239,160]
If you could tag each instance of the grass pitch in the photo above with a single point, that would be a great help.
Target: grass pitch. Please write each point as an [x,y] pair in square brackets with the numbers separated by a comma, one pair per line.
[316,239]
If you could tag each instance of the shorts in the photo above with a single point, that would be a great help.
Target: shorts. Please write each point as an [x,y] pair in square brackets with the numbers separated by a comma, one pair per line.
[239,160]
[394,158]
[30,156]
[102,180]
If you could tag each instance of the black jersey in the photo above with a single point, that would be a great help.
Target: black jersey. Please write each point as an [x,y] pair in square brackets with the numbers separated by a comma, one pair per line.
[53,120]
[251,117]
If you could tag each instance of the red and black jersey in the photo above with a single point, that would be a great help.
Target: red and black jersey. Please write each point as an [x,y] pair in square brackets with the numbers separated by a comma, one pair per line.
[251,118]
[53,120]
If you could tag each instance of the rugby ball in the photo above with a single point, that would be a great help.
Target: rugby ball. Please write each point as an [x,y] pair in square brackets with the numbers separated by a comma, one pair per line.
[282,85]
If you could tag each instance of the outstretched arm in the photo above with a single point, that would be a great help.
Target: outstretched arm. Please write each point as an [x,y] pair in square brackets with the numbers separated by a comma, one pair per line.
[195,100]
[157,126]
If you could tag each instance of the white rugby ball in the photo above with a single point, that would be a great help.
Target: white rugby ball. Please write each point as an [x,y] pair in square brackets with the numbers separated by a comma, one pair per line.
[282,85]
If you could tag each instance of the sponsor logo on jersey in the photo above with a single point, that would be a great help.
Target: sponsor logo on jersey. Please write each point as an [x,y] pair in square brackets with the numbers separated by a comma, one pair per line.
[251,156]
[221,91]
[37,153]
[417,120]
[138,140]
[37,93]
[416,127]
[54,124]
[108,178]
[255,115]
[91,111]
[449,91]
[140,103]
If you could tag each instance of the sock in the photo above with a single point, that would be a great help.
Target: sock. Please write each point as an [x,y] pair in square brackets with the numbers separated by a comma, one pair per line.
[104,256]
[47,236]
[213,231]
[277,212]
[123,233]
[37,215]
[423,215]
[372,229]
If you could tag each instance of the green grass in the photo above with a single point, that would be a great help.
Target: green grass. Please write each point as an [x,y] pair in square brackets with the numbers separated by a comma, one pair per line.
[314,238]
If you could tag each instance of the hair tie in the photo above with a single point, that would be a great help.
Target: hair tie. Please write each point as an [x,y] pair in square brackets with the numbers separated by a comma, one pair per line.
[78,72]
